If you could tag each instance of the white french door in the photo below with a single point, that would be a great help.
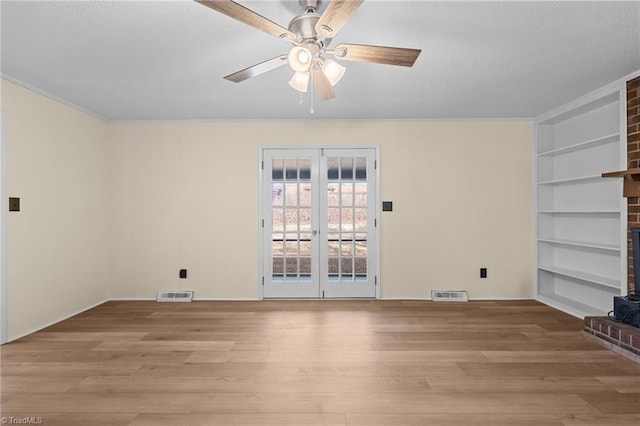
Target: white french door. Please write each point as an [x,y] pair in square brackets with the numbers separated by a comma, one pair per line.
[291,223]
[318,210]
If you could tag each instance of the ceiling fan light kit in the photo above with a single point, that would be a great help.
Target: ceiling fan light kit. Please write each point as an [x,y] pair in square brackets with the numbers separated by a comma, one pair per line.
[300,81]
[299,59]
[310,34]
[333,70]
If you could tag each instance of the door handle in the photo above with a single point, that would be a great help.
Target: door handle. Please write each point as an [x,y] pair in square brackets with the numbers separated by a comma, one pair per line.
[315,232]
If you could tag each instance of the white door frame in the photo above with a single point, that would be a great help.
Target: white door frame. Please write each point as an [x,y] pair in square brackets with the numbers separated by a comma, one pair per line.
[261,202]
[4,328]
[307,287]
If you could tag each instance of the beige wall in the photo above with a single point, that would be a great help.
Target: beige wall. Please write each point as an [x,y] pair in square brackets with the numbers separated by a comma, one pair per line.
[186,195]
[113,210]
[57,250]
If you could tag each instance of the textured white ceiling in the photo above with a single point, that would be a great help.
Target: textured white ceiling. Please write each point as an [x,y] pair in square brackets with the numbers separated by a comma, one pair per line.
[164,60]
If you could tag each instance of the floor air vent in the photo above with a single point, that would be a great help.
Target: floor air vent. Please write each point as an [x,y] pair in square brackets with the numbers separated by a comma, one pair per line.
[449,296]
[174,296]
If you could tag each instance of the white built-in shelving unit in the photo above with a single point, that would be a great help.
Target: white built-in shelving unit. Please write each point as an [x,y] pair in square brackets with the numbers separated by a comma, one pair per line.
[581,221]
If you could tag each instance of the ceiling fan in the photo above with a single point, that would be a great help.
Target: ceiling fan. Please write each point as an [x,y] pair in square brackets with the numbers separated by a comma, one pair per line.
[310,34]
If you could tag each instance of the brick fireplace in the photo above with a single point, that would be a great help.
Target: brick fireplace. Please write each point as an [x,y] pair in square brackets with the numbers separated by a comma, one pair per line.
[633,161]
[623,338]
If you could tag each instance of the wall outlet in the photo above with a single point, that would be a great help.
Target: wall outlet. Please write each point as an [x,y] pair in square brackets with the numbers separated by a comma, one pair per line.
[183,273]
[483,272]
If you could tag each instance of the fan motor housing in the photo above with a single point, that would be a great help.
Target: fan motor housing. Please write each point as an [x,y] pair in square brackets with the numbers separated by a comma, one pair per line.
[309,4]
[304,26]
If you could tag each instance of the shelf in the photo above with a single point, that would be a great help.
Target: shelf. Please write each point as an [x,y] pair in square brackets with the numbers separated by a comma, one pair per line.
[583,276]
[614,137]
[588,103]
[570,180]
[583,244]
[570,306]
[623,173]
[577,210]
[631,182]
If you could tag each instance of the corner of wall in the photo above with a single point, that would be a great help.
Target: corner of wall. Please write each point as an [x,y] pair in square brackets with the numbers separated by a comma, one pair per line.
[56,245]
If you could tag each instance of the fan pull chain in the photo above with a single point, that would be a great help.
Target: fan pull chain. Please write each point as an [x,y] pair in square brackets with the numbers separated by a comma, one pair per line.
[301,99]
[311,109]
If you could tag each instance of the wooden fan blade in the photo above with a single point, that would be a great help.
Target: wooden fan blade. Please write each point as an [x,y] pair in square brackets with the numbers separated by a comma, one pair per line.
[335,16]
[257,69]
[321,83]
[247,16]
[377,54]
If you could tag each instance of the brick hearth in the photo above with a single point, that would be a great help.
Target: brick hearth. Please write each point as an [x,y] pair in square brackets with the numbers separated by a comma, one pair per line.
[619,337]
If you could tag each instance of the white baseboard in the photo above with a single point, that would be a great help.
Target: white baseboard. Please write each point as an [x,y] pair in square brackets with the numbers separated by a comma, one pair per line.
[211,299]
[488,299]
[207,299]
[471,299]
[133,299]
[405,298]
[20,336]
[195,299]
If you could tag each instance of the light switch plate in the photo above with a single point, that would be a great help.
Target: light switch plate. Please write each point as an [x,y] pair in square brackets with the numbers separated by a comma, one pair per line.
[14,204]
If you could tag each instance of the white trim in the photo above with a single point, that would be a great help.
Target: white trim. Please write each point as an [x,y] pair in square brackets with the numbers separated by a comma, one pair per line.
[631,76]
[536,213]
[498,299]
[471,299]
[250,120]
[316,146]
[226,299]
[206,299]
[49,324]
[200,299]
[322,120]
[52,97]
[262,202]
[624,211]
[378,211]
[338,288]
[4,327]
[575,312]
[132,299]
[63,101]
[355,299]
[288,289]
[617,85]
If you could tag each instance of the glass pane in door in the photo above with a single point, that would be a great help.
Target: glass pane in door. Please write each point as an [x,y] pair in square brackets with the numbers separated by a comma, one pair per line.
[291,215]
[319,235]
[347,219]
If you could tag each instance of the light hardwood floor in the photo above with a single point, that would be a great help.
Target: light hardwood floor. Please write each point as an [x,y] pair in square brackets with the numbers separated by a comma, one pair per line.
[322,362]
